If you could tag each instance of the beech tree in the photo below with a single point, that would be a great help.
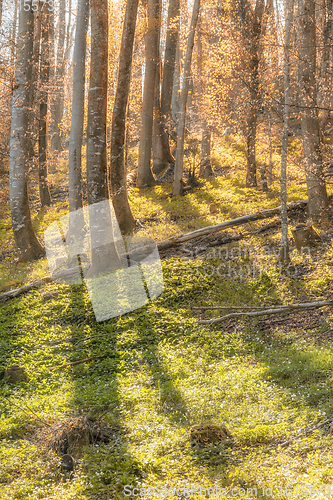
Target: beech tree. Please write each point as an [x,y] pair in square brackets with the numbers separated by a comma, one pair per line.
[44,192]
[59,73]
[75,140]
[163,117]
[178,183]
[118,169]
[145,176]
[311,140]
[284,216]
[24,234]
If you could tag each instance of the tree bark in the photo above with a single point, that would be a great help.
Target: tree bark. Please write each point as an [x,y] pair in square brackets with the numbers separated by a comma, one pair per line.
[316,186]
[118,171]
[163,120]
[75,140]
[145,176]
[206,170]
[175,101]
[24,234]
[58,102]
[325,76]
[284,255]
[44,191]
[178,185]
[97,104]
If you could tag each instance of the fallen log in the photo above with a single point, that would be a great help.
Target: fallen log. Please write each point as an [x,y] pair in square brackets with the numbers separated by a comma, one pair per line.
[67,273]
[264,214]
[275,310]
[174,240]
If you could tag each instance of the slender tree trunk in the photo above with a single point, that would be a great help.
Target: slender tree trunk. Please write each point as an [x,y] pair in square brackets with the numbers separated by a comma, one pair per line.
[325,77]
[163,119]
[44,191]
[316,186]
[270,147]
[178,184]
[75,140]
[24,234]
[14,32]
[34,87]
[175,101]
[145,176]
[170,61]
[161,149]
[252,121]
[118,171]
[206,170]
[284,212]
[58,102]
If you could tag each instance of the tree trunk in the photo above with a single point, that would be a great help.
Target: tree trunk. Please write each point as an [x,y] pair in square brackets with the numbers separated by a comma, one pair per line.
[325,77]
[161,149]
[104,257]
[316,186]
[145,176]
[175,101]
[34,89]
[270,148]
[75,140]
[118,171]
[206,170]
[44,191]
[284,255]
[58,102]
[178,184]
[171,43]
[24,234]
[97,104]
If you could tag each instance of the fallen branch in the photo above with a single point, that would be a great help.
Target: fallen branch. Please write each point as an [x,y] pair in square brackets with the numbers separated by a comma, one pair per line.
[276,310]
[65,274]
[227,308]
[74,363]
[305,432]
[265,214]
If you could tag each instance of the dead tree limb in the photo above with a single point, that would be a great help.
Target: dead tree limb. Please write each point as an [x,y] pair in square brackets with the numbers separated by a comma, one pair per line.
[228,308]
[265,214]
[304,433]
[67,273]
[275,310]
[74,363]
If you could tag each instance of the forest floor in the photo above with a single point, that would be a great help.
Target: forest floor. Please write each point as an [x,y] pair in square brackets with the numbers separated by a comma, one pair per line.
[156,372]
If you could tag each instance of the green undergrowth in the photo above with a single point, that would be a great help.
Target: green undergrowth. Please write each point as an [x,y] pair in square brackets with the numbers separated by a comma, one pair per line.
[155,374]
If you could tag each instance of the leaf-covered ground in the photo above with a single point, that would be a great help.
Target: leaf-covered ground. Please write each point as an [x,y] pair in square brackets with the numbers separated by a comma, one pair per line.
[155,372]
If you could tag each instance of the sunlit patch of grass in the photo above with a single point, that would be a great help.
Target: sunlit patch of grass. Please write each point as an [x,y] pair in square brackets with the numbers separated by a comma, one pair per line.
[155,372]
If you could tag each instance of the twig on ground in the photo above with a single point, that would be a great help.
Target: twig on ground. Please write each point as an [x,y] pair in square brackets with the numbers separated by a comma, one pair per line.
[74,363]
[24,411]
[302,434]
[227,308]
[276,310]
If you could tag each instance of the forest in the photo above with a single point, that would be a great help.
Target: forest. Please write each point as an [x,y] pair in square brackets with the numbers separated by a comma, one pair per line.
[166,203]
